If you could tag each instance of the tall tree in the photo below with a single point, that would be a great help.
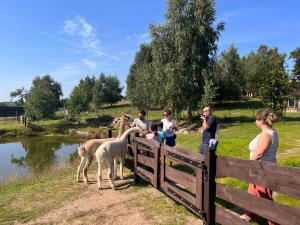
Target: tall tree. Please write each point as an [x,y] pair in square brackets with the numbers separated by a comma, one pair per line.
[86,85]
[76,102]
[43,98]
[295,55]
[20,94]
[274,84]
[98,92]
[142,88]
[229,76]
[182,48]
[112,90]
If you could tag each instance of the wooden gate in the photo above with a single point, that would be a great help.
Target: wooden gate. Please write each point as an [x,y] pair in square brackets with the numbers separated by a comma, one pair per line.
[146,160]
[183,181]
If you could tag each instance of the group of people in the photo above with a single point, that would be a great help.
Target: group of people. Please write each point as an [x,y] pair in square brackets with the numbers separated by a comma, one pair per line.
[263,147]
[163,132]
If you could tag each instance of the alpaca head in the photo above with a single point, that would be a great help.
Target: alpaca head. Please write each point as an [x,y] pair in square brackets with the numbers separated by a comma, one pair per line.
[121,122]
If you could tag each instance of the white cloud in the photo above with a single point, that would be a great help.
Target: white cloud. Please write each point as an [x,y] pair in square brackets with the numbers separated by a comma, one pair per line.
[89,63]
[81,28]
[70,27]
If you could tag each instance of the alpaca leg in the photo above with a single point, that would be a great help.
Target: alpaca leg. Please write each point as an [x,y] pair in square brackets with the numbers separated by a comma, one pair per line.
[109,174]
[85,169]
[121,169]
[99,177]
[80,167]
[115,170]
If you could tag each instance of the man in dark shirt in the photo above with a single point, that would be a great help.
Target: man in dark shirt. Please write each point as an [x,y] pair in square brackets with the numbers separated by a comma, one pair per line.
[209,128]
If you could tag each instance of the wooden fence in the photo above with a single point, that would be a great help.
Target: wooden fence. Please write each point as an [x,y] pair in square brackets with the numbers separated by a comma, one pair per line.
[24,120]
[192,181]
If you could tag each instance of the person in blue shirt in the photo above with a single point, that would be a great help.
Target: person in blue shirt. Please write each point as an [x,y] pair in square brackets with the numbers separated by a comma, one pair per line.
[161,133]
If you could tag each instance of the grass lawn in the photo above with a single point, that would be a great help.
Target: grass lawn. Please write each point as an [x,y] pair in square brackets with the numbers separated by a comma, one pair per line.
[237,130]
[234,139]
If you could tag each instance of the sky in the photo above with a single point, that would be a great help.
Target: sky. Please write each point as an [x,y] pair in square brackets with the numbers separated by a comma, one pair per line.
[71,39]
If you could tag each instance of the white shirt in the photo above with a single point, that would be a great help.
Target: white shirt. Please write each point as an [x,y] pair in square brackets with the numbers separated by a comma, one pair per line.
[168,126]
[270,154]
[143,124]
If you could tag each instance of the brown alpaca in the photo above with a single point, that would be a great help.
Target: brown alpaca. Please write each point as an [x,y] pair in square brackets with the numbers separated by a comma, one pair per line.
[87,150]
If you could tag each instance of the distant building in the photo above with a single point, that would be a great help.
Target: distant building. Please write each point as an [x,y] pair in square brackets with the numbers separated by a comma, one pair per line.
[10,109]
[293,104]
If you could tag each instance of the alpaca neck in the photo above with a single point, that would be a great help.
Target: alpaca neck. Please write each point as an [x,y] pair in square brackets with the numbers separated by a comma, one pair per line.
[124,135]
[121,128]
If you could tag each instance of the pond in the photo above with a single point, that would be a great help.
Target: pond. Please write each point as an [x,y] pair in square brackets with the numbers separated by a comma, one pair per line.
[32,155]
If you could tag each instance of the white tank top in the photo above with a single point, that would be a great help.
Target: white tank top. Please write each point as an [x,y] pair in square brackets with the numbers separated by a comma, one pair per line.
[270,153]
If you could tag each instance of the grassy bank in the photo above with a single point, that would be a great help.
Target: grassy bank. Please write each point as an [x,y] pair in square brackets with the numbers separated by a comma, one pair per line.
[26,199]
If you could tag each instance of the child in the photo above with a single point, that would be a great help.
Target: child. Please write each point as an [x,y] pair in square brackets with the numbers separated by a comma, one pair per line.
[153,132]
[161,133]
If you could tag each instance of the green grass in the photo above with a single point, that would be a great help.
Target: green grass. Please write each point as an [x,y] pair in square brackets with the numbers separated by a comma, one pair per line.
[234,140]
[26,199]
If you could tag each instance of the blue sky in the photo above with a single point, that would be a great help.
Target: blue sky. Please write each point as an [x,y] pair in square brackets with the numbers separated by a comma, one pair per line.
[71,39]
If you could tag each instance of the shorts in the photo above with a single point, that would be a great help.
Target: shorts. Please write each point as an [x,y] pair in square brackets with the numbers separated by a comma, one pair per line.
[170,141]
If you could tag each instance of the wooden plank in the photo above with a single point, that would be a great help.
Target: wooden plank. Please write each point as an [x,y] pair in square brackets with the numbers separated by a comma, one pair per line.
[180,177]
[145,149]
[199,189]
[177,160]
[227,217]
[146,175]
[184,195]
[149,143]
[282,179]
[184,153]
[268,209]
[146,160]
[195,156]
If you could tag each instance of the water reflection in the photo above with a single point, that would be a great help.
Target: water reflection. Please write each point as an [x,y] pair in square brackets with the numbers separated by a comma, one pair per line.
[36,155]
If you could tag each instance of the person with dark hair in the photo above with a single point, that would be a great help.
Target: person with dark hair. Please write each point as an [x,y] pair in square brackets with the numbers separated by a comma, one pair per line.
[169,127]
[263,148]
[141,122]
[153,132]
[161,133]
[209,128]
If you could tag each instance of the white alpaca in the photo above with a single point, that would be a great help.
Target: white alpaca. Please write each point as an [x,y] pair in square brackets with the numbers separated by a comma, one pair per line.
[87,150]
[111,151]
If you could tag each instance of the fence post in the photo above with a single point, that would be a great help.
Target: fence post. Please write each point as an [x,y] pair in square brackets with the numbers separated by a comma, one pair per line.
[210,185]
[135,153]
[109,133]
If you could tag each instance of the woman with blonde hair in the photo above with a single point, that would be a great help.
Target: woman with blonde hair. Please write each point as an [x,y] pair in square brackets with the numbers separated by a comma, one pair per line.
[263,148]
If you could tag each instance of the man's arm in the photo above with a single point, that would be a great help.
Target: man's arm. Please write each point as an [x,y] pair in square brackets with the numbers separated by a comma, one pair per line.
[206,124]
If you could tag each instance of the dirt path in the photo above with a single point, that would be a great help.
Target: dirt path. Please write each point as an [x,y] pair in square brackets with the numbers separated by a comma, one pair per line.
[111,207]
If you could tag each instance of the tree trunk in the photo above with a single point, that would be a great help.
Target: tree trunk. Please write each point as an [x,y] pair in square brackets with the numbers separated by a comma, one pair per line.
[190,113]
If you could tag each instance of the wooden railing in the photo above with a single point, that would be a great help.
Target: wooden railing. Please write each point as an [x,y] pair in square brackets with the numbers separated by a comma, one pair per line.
[191,181]
[282,179]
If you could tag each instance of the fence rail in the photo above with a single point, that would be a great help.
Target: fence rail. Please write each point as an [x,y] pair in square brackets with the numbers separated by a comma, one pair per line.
[191,181]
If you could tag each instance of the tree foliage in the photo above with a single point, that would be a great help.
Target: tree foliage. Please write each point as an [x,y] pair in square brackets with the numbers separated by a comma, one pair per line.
[228,75]
[295,55]
[274,84]
[43,98]
[21,95]
[181,49]
[142,88]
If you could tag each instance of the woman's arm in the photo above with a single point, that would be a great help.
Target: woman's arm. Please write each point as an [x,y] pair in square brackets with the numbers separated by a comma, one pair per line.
[263,144]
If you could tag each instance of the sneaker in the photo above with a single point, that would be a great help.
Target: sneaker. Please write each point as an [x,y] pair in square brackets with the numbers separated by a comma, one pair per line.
[245,217]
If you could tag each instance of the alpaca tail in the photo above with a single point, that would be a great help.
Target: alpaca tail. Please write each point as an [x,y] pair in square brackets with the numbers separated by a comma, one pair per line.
[81,151]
